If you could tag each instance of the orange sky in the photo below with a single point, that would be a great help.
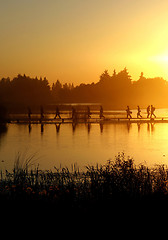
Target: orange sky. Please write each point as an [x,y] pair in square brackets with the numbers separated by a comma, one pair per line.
[76,40]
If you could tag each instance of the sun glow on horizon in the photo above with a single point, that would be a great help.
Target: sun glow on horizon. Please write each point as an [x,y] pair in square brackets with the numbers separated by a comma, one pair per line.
[161,59]
[159,63]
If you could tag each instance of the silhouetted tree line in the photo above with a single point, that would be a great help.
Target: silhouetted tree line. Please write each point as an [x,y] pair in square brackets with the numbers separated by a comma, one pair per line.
[114,91]
[23,91]
[109,89]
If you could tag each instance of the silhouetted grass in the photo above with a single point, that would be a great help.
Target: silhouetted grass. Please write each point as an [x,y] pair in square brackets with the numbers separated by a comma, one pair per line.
[118,182]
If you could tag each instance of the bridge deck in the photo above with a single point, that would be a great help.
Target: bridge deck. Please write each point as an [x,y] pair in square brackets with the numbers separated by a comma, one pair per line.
[87,120]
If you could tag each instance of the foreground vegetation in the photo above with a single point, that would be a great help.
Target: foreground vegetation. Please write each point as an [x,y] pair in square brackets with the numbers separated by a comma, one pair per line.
[102,187]
[119,184]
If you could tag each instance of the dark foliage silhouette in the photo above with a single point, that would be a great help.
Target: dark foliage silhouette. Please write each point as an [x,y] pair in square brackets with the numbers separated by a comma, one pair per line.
[113,91]
[24,91]
[118,183]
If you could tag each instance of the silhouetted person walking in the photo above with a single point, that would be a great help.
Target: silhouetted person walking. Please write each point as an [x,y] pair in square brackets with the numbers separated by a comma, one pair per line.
[29,113]
[101,112]
[152,111]
[74,114]
[148,111]
[128,112]
[57,113]
[139,112]
[88,112]
[42,112]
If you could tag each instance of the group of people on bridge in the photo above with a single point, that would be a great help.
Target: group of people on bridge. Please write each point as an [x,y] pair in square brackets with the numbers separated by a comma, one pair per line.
[87,113]
[150,112]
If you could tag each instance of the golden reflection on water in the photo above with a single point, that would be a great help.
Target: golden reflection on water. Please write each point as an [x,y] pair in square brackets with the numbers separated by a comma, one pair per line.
[83,144]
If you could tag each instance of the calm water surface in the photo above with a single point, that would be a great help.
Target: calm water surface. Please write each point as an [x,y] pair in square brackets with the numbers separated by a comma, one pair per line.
[83,144]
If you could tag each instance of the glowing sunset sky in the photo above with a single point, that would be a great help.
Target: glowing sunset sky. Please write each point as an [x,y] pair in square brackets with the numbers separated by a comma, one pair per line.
[76,40]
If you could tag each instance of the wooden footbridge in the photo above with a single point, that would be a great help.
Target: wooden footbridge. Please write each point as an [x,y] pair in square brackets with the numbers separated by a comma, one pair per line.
[81,114]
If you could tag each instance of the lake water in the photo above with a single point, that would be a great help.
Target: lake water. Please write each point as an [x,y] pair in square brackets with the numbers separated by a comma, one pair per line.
[84,144]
